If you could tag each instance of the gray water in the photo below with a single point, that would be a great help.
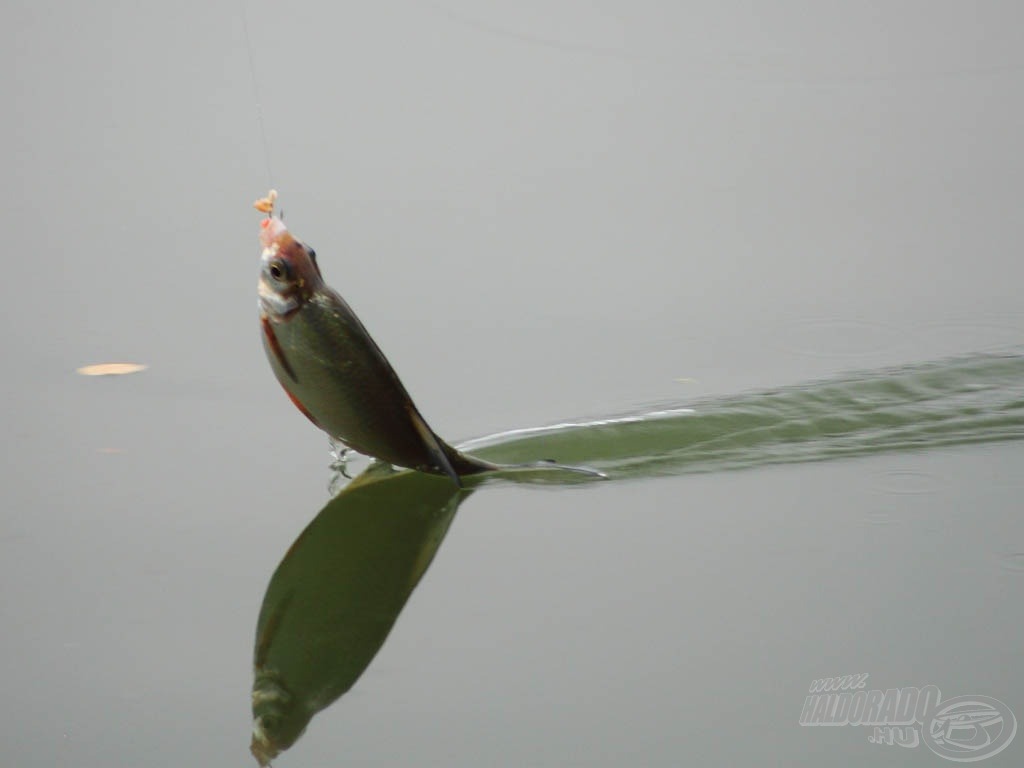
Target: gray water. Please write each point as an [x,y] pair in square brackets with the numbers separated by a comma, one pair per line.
[792,237]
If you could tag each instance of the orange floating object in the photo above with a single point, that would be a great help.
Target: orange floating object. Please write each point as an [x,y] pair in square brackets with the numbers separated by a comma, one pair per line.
[111,369]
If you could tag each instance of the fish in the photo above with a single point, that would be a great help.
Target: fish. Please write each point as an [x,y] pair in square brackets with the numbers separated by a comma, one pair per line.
[337,593]
[335,374]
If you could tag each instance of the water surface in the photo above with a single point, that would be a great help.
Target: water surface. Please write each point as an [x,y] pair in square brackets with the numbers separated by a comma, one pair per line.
[802,223]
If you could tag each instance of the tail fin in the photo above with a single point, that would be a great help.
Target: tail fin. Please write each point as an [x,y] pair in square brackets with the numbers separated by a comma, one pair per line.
[465,464]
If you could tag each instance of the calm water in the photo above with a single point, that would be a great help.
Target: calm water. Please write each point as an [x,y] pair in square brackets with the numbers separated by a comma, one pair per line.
[762,270]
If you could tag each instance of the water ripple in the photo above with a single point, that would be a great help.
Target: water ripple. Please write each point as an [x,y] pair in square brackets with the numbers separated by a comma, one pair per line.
[976,399]
[1012,561]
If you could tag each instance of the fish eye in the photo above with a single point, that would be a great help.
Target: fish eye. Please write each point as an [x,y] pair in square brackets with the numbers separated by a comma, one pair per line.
[279,270]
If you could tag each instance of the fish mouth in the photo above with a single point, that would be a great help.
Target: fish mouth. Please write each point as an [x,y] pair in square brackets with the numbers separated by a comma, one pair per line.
[272,229]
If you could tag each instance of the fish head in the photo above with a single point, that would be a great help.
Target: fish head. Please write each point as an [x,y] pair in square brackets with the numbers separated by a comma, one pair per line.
[279,719]
[289,275]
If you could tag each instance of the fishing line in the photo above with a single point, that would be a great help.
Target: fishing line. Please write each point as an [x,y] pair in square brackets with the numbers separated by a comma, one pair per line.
[256,94]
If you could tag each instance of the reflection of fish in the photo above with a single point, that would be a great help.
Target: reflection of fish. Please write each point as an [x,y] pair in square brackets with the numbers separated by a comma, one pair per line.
[336,594]
[336,375]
